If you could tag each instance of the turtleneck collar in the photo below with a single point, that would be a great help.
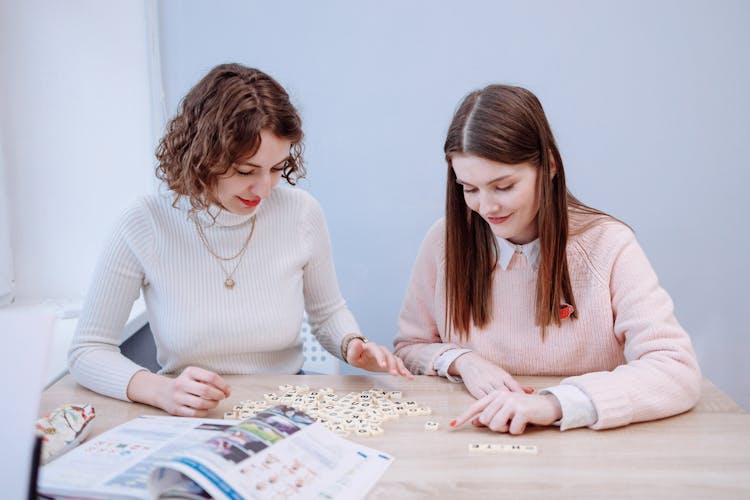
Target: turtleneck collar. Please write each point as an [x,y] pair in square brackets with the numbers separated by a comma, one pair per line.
[217,215]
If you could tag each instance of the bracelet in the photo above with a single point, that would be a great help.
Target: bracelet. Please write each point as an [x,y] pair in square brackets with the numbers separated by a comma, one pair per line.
[349,338]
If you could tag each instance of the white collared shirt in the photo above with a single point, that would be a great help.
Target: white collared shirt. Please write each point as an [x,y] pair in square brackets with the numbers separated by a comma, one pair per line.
[531,250]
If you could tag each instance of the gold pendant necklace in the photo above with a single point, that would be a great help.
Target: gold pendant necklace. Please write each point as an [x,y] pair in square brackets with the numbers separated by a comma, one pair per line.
[229,281]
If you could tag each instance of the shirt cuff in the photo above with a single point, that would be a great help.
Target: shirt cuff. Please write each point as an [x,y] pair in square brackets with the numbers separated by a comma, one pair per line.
[443,362]
[577,408]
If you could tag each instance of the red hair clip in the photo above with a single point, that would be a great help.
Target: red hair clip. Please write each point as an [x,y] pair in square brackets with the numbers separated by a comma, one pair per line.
[566,311]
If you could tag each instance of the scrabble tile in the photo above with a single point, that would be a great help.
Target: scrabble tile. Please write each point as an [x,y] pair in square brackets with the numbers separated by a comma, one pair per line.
[480,448]
[523,449]
[496,449]
[376,430]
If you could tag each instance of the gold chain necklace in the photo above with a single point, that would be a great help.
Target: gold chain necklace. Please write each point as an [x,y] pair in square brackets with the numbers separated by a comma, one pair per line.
[229,281]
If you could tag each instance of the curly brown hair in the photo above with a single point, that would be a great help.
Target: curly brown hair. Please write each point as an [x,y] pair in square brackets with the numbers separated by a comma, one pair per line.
[218,125]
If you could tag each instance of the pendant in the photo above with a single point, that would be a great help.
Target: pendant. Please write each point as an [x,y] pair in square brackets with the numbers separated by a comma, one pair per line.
[229,283]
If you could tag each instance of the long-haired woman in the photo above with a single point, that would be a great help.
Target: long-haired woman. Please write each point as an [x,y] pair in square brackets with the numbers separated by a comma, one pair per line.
[521,278]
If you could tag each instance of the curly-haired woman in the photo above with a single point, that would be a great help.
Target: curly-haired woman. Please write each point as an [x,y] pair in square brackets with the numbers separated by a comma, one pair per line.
[228,261]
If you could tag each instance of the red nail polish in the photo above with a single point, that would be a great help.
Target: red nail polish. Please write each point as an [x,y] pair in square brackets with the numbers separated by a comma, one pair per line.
[453,423]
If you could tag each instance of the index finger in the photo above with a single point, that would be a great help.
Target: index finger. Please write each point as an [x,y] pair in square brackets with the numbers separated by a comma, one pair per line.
[211,378]
[402,368]
[472,411]
[376,352]
[513,385]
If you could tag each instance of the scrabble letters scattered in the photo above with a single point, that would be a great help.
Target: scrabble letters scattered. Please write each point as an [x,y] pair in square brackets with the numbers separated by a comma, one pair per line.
[496,449]
[359,414]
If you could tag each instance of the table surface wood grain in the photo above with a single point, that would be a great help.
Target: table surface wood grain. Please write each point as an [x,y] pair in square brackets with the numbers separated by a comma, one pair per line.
[704,453]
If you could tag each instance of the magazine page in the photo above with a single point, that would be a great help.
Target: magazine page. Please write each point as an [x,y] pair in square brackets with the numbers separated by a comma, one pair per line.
[279,453]
[117,463]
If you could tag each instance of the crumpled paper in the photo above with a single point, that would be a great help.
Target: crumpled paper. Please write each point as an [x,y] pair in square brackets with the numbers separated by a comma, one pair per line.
[64,428]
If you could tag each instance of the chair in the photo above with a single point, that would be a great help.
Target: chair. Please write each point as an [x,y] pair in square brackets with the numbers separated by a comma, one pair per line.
[141,348]
[316,358]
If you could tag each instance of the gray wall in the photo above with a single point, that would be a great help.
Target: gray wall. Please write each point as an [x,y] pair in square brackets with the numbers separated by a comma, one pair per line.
[648,101]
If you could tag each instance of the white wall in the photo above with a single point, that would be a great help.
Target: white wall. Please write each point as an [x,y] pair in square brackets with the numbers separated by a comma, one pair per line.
[648,100]
[6,256]
[76,131]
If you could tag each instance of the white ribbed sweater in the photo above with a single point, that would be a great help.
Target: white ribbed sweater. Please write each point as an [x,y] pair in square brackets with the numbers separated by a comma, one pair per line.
[195,319]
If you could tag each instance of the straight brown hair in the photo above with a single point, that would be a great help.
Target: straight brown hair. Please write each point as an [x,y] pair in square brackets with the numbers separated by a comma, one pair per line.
[508,125]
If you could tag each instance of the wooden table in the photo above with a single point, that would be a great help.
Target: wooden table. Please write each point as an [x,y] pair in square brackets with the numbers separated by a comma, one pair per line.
[704,453]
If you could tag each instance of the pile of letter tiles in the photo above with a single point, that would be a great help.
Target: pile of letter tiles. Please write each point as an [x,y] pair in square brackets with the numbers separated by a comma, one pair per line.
[360,413]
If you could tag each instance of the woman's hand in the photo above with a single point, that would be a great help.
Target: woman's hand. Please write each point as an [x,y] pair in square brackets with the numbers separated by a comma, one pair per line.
[375,358]
[191,394]
[481,377]
[504,411]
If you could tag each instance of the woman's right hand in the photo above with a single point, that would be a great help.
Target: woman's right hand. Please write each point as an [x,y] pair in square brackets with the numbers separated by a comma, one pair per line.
[481,377]
[191,394]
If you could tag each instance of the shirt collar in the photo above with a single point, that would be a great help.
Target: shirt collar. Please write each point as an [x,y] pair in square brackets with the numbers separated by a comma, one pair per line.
[531,250]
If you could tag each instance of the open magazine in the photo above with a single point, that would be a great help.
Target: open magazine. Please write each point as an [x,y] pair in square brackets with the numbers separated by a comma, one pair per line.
[279,453]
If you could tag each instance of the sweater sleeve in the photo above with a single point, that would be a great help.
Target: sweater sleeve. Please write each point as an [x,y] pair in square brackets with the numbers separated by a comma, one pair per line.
[94,358]
[418,342]
[330,318]
[661,377]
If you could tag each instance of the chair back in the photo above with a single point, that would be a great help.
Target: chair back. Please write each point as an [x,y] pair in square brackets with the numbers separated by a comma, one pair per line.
[316,358]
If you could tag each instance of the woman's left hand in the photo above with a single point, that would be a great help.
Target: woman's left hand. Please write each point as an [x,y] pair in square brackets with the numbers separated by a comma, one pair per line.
[511,412]
[375,358]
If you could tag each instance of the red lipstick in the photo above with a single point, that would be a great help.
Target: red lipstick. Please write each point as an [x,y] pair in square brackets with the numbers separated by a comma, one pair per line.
[250,203]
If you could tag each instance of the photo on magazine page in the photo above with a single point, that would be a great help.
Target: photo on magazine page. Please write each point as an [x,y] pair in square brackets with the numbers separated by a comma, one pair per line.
[279,453]
[118,462]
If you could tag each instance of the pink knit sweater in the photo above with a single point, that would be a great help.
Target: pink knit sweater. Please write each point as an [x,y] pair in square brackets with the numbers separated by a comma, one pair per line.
[626,350]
